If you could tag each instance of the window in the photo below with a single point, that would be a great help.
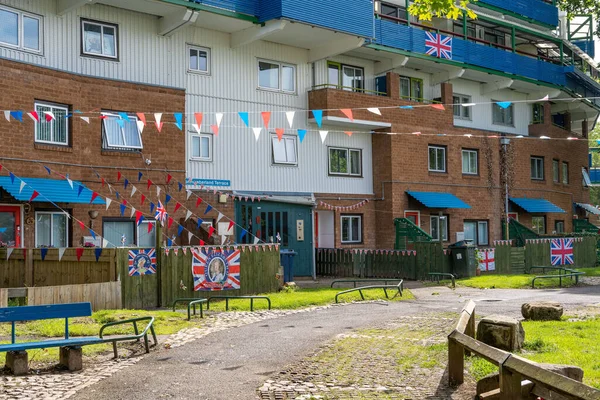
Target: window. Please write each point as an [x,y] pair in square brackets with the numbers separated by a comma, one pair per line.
[555,171]
[477,231]
[411,88]
[120,133]
[559,226]
[114,231]
[55,131]
[202,147]
[502,116]
[146,239]
[460,111]
[99,39]
[345,161]
[199,59]
[439,227]
[565,173]
[346,77]
[284,151]
[392,10]
[276,76]
[469,162]
[537,168]
[538,113]
[538,224]
[51,229]
[351,228]
[20,30]
[437,158]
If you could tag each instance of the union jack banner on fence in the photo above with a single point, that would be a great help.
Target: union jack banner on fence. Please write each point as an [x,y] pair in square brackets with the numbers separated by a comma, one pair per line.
[438,45]
[142,262]
[216,269]
[561,252]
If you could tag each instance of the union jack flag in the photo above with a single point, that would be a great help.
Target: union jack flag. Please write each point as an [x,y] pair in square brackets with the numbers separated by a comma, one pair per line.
[561,251]
[438,45]
[216,269]
[142,262]
[161,213]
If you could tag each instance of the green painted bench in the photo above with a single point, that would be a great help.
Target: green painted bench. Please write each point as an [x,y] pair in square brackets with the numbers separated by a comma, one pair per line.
[191,302]
[70,347]
[385,288]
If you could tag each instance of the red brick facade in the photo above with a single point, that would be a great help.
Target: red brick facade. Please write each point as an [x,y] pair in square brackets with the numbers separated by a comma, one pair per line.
[400,164]
[22,84]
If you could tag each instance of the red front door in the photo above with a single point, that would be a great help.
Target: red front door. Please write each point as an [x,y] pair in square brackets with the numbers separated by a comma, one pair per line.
[414,216]
[10,226]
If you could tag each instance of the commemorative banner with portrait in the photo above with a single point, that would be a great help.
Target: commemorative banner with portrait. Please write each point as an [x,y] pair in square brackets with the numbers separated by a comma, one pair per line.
[216,269]
[142,262]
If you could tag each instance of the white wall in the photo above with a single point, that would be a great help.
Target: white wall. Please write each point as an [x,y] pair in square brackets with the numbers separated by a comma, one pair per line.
[326,229]
[231,86]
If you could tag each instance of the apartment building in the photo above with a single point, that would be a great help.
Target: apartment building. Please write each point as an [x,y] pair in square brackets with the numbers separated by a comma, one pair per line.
[255,70]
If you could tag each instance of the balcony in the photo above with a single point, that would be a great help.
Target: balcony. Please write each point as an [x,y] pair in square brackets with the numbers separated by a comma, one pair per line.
[537,11]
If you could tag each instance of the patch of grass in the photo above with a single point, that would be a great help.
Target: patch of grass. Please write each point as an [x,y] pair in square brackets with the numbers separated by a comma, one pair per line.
[480,368]
[590,271]
[511,282]
[308,297]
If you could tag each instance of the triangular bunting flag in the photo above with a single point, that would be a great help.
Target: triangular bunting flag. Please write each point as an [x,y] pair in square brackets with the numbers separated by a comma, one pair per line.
[438,107]
[188,214]
[348,113]
[179,120]
[7,115]
[81,225]
[151,207]
[167,199]
[301,134]
[179,186]
[86,119]
[94,195]
[177,206]
[318,115]
[157,122]
[218,119]
[139,217]
[215,130]
[245,118]
[93,234]
[290,117]
[223,239]
[188,193]
[170,222]
[48,170]
[142,118]
[256,133]
[79,253]
[34,116]
[219,217]
[43,252]
[349,133]
[256,240]
[231,223]
[125,183]
[18,115]
[190,234]
[149,183]
[374,111]
[179,230]
[61,252]
[98,253]
[79,190]
[198,201]
[242,234]
[140,126]
[9,251]
[21,186]
[198,117]
[108,201]
[504,104]
[208,208]
[122,209]
[266,117]
[133,210]
[323,135]
[211,230]
[279,133]
[150,227]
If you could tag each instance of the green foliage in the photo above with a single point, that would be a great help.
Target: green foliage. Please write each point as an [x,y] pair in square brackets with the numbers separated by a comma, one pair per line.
[427,9]
[480,368]
[582,7]
[510,282]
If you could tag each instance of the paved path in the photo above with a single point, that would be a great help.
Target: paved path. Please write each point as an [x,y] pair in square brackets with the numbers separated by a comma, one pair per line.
[232,364]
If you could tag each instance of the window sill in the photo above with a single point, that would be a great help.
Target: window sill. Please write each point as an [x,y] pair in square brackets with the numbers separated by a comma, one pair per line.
[471,176]
[205,160]
[278,91]
[438,173]
[345,176]
[120,153]
[53,147]
[100,57]
[538,180]
[198,72]
[284,165]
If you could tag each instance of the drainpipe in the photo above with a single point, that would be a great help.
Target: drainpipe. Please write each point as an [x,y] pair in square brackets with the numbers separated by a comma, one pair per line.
[504,141]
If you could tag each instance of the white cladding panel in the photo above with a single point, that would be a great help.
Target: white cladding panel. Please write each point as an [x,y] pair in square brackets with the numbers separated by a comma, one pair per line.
[231,86]
[481,114]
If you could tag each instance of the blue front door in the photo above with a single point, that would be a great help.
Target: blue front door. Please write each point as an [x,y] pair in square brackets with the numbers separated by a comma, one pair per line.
[287,224]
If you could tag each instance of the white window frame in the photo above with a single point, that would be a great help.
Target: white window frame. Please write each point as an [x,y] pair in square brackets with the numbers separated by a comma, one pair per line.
[102,25]
[208,59]
[284,138]
[349,161]
[351,217]
[145,230]
[543,224]
[471,152]
[565,176]
[487,233]
[51,213]
[537,178]
[120,147]
[555,172]
[462,99]
[210,146]
[280,75]
[21,30]
[52,106]
[436,218]
[436,148]
[503,110]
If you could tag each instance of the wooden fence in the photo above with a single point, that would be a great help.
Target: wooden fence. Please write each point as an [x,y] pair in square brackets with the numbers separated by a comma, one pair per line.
[538,252]
[517,375]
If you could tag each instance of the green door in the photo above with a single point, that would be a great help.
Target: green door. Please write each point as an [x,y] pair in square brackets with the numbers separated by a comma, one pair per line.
[291,223]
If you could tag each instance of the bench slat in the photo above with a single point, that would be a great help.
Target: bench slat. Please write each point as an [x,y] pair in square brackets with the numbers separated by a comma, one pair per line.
[49,311]
[50,343]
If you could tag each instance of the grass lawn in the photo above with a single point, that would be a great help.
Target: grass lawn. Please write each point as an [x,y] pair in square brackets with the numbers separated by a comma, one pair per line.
[558,342]
[590,271]
[509,282]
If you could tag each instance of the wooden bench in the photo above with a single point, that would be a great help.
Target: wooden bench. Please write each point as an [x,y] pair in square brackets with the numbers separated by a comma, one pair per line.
[252,298]
[70,347]
[191,302]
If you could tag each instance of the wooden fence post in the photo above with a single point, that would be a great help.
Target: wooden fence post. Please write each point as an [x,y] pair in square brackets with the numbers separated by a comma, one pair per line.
[510,384]
[456,362]
[29,273]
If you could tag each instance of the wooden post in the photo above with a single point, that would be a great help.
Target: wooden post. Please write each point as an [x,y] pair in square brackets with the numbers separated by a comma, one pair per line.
[470,331]
[29,275]
[456,362]
[159,255]
[510,384]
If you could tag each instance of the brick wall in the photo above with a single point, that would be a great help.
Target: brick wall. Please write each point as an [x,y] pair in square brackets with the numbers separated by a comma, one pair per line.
[400,163]
[21,85]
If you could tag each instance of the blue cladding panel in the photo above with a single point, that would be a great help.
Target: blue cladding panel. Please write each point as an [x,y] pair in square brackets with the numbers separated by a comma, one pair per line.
[249,7]
[55,190]
[534,9]
[438,200]
[413,39]
[350,16]
[587,46]
[536,205]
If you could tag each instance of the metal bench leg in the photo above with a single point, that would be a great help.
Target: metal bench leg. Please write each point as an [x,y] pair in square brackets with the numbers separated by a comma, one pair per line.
[146,343]
[153,335]
[135,329]
[386,294]
[115,349]
[189,312]
[201,314]
[361,294]
[194,308]
[226,304]
[251,304]
[269,301]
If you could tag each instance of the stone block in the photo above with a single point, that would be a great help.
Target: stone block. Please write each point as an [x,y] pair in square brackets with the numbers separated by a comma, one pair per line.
[542,311]
[71,358]
[17,362]
[501,332]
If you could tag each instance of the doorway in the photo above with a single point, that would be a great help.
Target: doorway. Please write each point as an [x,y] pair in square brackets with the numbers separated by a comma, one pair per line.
[10,226]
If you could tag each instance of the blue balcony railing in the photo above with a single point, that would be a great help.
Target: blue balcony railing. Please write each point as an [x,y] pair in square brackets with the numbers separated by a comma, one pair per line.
[537,10]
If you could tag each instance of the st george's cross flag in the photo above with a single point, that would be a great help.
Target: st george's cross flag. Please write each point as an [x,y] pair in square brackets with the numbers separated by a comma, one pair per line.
[215,269]
[561,251]
[487,261]
[438,45]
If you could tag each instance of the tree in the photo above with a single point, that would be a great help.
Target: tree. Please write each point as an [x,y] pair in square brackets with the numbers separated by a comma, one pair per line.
[427,9]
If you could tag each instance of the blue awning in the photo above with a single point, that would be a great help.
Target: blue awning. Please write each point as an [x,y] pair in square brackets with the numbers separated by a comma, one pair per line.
[438,200]
[50,190]
[589,208]
[536,205]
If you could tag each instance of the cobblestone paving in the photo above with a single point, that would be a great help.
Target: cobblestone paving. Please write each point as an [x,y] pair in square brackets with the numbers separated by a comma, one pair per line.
[54,384]
[404,359]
